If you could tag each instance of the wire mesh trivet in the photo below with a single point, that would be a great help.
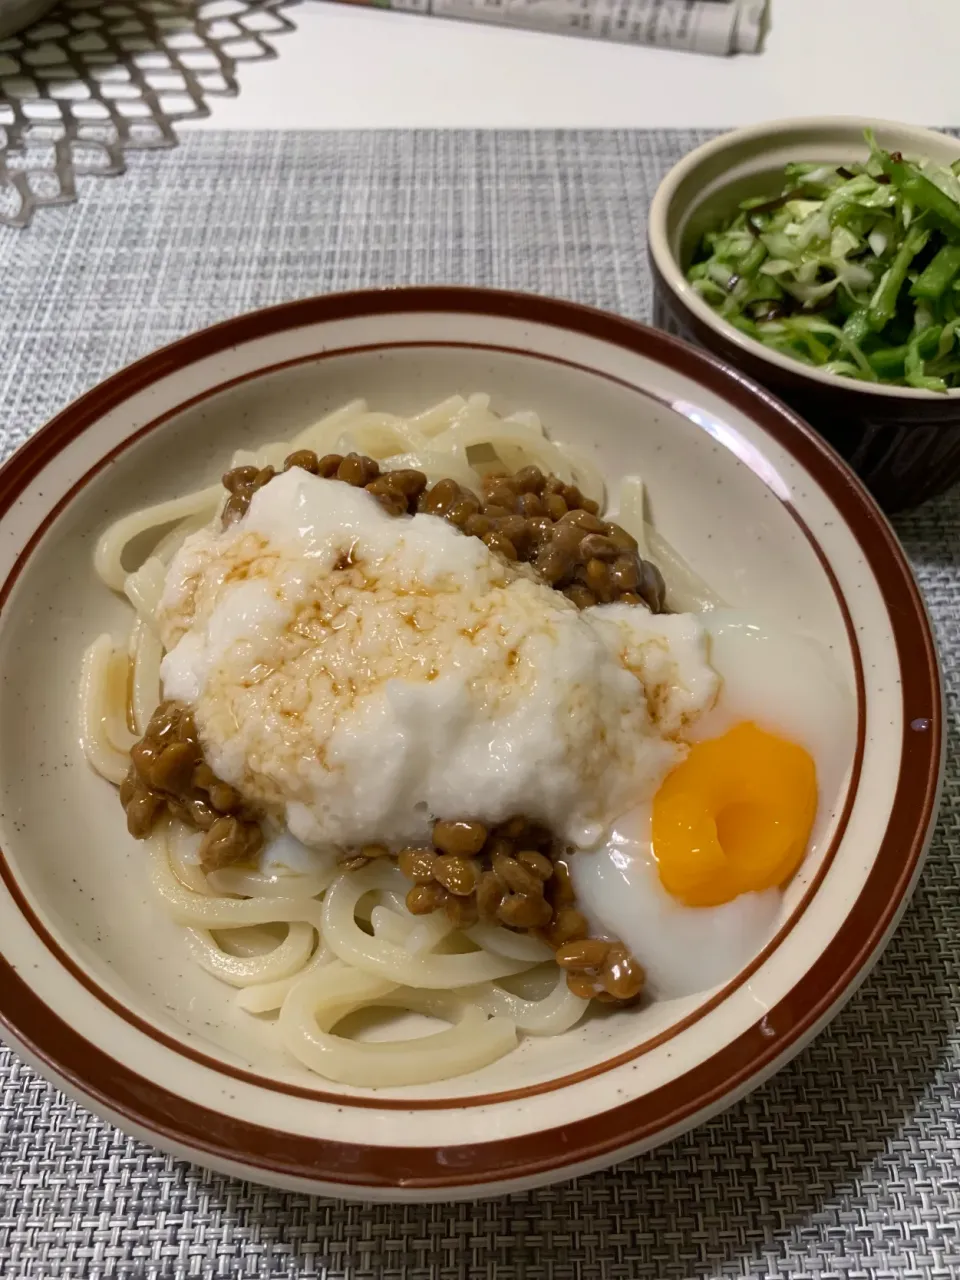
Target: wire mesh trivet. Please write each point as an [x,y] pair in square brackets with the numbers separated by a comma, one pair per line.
[93,80]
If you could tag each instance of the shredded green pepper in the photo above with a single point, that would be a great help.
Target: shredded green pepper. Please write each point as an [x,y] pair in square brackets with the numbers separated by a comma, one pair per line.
[883,304]
[920,191]
[939,274]
[854,269]
[914,365]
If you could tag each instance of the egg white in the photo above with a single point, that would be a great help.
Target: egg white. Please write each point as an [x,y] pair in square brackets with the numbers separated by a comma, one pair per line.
[682,949]
[790,685]
[787,684]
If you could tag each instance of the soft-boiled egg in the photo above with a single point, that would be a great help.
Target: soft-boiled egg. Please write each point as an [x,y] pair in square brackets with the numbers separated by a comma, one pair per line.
[682,949]
[691,881]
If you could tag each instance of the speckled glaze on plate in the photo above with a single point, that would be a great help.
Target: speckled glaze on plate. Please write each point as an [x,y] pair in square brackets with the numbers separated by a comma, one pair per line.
[96,988]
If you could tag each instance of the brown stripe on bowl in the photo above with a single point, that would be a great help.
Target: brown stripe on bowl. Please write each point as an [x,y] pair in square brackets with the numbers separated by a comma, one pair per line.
[440,1167]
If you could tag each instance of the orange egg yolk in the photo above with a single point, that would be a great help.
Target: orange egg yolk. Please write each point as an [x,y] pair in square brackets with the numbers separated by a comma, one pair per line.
[735,816]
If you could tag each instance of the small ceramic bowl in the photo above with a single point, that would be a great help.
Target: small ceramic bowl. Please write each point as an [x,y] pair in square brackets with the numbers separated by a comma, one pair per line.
[904,443]
[97,990]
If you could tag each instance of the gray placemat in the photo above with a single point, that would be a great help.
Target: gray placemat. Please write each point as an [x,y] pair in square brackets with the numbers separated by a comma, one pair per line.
[847,1164]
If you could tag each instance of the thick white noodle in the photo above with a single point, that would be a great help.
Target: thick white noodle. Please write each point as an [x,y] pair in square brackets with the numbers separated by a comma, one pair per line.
[428,932]
[436,466]
[395,900]
[556,1012]
[385,910]
[381,898]
[147,651]
[632,515]
[437,442]
[517,946]
[391,925]
[294,943]
[315,1006]
[533,984]
[108,556]
[265,455]
[526,418]
[255,940]
[286,959]
[383,959]
[686,591]
[379,435]
[433,420]
[548,456]
[321,436]
[267,997]
[172,541]
[586,475]
[115,720]
[99,712]
[183,855]
[254,884]
[213,912]
[144,587]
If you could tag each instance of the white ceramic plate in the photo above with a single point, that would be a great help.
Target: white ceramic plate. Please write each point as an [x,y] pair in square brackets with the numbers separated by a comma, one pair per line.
[96,988]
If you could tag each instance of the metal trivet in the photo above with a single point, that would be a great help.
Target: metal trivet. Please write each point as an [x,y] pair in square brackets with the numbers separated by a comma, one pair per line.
[94,80]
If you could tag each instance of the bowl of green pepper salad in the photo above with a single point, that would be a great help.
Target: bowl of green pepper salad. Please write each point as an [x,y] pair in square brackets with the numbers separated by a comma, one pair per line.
[822,258]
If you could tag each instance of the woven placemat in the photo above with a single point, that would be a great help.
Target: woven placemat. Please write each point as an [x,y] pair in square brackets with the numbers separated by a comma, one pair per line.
[847,1164]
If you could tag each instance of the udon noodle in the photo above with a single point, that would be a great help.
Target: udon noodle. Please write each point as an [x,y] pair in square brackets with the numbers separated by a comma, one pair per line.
[310,949]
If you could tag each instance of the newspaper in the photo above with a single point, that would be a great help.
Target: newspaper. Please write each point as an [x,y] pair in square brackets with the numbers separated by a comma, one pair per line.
[698,26]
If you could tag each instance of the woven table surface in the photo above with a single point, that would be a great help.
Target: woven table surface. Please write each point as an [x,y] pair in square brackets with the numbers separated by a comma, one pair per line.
[847,1164]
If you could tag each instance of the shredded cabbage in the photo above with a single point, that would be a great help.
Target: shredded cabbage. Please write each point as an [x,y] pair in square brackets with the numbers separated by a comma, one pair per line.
[853,269]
